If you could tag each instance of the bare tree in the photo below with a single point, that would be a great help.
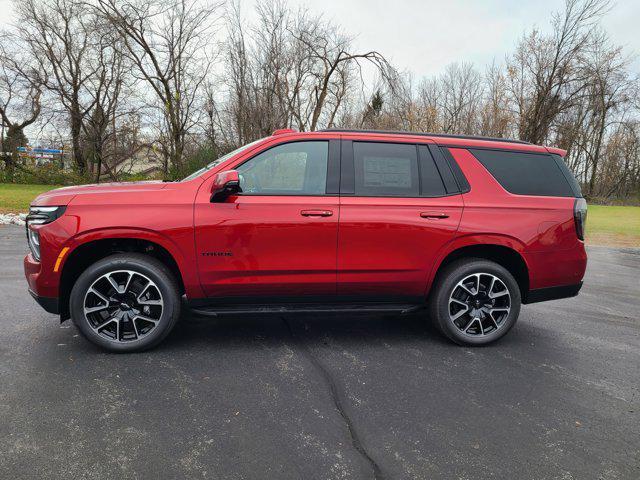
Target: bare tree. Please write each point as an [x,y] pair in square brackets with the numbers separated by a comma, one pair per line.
[293,69]
[547,74]
[496,118]
[331,54]
[169,43]
[461,97]
[59,35]
[20,103]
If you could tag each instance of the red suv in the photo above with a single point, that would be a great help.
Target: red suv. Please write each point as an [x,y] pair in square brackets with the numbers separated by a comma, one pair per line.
[337,220]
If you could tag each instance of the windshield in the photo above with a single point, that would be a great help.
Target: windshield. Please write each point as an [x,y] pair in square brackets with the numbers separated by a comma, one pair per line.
[220,160]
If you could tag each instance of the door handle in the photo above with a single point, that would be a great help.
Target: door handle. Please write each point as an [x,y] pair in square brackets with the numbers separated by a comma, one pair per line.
[433,215]
[316,213]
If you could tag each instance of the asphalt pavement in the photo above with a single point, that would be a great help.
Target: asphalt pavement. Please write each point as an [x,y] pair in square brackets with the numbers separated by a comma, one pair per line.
[328,396]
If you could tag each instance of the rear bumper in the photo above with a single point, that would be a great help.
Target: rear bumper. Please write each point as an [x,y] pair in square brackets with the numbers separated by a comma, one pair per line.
[552,293]
[50,304]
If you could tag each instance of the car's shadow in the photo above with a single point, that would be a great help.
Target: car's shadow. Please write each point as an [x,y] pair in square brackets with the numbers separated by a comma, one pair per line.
[352,328]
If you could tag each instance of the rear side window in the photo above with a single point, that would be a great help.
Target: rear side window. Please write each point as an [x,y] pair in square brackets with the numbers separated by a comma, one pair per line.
[575,186]
[385,169]
[525,173]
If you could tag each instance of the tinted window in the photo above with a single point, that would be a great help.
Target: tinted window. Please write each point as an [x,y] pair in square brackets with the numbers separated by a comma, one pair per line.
[575,186]
[430,181]
[291,169]
[525,173]
[385,169]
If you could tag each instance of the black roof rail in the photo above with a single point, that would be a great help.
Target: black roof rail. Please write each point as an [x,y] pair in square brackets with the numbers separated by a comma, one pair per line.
[422,134]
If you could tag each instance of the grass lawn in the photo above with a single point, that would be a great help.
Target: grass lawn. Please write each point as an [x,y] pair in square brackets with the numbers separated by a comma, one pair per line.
[15,198]
[613,226]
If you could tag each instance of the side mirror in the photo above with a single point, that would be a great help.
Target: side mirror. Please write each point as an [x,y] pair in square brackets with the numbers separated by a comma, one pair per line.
[225,184]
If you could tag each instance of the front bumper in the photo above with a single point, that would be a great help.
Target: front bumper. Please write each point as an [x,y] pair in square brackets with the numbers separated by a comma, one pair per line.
[50,304]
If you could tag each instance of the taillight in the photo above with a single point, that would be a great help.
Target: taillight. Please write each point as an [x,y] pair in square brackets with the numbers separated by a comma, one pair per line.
[580,216]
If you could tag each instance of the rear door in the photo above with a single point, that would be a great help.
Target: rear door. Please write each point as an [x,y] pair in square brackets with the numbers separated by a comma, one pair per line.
[278,237]
[399,204]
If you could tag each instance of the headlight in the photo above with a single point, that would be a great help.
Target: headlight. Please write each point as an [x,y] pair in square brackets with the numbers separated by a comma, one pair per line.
[40,216]
[33,238]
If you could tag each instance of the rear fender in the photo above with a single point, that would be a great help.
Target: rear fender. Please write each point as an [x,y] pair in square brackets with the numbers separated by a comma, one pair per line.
[480,240]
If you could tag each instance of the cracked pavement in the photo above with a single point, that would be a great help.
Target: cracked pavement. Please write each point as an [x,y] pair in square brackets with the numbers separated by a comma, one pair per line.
[328,396]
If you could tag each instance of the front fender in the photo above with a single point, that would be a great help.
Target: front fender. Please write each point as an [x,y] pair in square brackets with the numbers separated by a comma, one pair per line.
[185,262]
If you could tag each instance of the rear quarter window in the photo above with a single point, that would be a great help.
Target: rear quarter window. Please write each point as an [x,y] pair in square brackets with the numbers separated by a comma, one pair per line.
[525,173]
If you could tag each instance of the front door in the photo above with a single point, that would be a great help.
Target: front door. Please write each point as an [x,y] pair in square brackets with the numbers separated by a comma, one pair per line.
[278,237]
[398,208]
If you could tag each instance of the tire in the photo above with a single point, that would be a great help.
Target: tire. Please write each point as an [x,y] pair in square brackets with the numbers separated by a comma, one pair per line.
[137,315]
[480,319]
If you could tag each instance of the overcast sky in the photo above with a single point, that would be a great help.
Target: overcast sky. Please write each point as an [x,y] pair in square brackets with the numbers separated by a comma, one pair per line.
[422,36]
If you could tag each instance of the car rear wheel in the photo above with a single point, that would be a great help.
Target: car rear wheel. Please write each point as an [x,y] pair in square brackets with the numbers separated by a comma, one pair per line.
[475,301]
[125,302]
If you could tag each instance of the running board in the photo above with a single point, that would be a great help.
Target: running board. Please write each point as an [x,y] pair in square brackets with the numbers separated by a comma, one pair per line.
[217,310]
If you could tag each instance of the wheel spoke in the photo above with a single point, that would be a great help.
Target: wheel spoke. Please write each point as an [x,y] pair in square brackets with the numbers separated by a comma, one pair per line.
[455,300]
[145,318]
[126,285]
[457,315]
[98,308]
[105,323]
[493,282]
[114,284]
[144,290]
[468,325]
[499,294]
[464,287]
[135,327]
[150,302]
[495,324]
[98,294]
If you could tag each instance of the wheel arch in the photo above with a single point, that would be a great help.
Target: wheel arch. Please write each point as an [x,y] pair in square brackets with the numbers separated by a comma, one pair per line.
[504,251]
[90,248]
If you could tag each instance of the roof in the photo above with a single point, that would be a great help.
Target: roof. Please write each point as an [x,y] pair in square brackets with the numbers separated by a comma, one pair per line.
[422,134]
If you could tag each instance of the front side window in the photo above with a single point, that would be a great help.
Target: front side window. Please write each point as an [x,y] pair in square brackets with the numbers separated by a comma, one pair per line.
[224,158]
[385,169]
[298,168]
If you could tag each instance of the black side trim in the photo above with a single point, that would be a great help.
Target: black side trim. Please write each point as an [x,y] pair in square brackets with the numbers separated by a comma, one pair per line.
[214,311]
[449,180]
[552,293]
[462,181]
[333,168]
[347,169]
[50,304]
[246,301]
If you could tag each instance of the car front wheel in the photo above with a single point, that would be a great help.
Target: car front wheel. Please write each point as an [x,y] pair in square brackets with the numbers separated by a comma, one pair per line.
[475,301]
[125,302]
